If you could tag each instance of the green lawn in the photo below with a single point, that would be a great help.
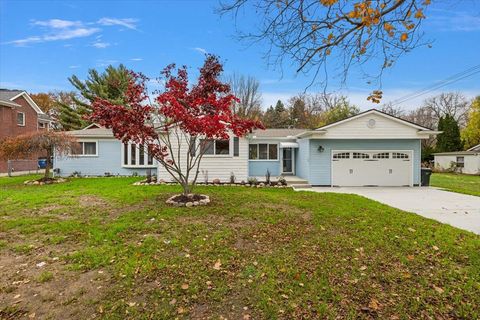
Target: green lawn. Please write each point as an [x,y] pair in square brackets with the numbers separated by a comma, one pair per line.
[460,183]
[106,248]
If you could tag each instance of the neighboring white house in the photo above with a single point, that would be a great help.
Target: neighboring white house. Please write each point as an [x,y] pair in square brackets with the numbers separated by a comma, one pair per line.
[368,149]
[459,161]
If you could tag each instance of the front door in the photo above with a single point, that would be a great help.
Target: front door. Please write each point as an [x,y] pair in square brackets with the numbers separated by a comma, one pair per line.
[287,160]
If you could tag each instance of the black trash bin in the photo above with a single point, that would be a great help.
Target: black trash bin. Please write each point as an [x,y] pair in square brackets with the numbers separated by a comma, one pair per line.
[426,173]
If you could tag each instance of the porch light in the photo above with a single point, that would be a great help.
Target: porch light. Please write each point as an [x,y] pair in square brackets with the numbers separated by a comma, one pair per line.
[320,149]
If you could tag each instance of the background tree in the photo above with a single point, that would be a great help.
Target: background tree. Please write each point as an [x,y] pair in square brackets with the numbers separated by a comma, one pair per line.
[450,139]
[62,108]
[471,133]
[425,117]
[110,85]
[311,32]
[44,100]
[46,142]
[276,117]
[453,104]
[247,90]
[299,115]
[180,127]
[393,110]
[342,109]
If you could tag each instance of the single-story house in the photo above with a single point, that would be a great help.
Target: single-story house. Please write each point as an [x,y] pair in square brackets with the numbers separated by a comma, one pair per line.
[460,161]
[368,149]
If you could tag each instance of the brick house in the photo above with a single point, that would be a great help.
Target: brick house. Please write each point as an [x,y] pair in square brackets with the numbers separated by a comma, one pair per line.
[19,114]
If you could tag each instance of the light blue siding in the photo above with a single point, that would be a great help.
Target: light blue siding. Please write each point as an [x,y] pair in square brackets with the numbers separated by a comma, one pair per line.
[302,157]
[259,167]
[320,164]
[108,160]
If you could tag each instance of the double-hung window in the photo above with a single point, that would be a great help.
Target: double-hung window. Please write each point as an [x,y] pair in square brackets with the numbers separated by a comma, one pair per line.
[220,147]
[263,151]
[136,155]
[21,119]
[85,149]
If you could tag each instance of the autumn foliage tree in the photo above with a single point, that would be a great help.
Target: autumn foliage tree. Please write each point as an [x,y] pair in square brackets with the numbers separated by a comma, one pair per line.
[185,117]
[342,33]
[47,142]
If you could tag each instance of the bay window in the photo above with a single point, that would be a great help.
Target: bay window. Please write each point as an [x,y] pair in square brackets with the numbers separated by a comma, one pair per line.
[136,155]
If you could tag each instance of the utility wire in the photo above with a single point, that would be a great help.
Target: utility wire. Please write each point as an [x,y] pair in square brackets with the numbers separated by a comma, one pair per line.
[454,78]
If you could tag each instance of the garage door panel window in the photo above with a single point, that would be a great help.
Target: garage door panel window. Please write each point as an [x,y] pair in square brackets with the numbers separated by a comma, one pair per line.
[382,155]
[400,155]
[361,155]
[341,155]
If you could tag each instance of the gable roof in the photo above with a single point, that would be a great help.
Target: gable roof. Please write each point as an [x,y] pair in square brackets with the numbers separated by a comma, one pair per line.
[8,96]
[458,153]
[92,133]
[475,148]
[277,133]
[378,112]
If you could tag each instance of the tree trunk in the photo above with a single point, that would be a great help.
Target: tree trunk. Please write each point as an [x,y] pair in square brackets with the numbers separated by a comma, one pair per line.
[48,164]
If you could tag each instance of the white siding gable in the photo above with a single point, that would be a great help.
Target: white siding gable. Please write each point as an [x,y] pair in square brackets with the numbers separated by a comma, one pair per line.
[372,126]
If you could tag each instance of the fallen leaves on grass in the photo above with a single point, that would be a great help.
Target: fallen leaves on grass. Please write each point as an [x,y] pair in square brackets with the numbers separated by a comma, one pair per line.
[217,265]
[438,289]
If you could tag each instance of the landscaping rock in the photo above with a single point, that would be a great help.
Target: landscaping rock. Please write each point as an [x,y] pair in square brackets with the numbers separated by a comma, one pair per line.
[189,204]
[216,181]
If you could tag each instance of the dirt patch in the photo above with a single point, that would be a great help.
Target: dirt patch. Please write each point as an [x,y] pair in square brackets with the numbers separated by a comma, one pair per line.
[39,285]
[50,208]
[92,201]
[214,220]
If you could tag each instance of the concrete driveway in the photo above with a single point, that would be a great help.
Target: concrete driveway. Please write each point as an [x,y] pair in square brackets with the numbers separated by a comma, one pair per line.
[459,210]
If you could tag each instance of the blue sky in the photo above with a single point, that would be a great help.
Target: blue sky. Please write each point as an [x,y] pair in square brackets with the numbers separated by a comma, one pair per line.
[42,43]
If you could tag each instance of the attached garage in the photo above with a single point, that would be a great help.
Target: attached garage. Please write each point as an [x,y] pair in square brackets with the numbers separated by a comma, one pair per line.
[372,168]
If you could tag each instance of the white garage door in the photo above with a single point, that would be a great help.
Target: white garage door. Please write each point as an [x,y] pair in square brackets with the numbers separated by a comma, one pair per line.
[372,168]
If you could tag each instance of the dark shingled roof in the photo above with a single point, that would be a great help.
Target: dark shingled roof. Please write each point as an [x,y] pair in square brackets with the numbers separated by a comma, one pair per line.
[7,94]
[277,133]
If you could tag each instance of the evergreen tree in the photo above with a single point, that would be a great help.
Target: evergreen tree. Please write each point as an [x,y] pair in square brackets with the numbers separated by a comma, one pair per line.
[109,85]
[449,139]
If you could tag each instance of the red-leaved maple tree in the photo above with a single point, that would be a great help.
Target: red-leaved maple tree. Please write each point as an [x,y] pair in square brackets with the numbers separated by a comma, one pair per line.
[184,117]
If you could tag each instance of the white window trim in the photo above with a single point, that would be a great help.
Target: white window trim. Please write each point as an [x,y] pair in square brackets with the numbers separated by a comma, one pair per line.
[230,149]
[268,151]
[137,158]
[23,123]
[83,150]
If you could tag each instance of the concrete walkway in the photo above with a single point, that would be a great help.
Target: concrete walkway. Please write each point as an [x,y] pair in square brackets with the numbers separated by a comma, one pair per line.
[459,210]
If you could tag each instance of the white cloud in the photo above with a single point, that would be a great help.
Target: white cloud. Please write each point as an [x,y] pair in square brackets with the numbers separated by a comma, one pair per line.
[59,29]
[454,21]
[127,23]
[201,50]
[105,63]
[57,23]
[136,59]
[74,67]
[61,34]
[100,45]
